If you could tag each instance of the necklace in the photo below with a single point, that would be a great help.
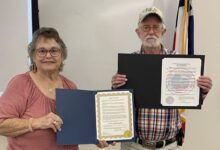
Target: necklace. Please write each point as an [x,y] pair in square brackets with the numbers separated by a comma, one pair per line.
[50,90]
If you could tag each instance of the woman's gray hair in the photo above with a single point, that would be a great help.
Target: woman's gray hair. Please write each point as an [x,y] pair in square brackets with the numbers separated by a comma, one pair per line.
[48,33]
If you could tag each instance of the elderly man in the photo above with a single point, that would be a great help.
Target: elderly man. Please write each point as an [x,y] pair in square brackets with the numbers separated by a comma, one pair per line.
[156,128]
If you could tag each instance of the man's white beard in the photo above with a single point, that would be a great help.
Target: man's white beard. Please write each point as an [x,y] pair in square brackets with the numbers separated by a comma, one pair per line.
[152,44]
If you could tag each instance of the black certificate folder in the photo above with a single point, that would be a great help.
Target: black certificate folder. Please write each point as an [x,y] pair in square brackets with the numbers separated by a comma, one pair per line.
[144,77]
[77,108]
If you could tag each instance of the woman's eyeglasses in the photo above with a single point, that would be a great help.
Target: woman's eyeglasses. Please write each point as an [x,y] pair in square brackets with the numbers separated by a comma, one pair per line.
[54,52]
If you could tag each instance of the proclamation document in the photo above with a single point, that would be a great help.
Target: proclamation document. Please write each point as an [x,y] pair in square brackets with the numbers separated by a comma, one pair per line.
[114,115]
[179,81]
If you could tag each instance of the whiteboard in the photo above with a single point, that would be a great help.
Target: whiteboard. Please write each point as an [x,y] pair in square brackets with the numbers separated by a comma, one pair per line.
[95,32]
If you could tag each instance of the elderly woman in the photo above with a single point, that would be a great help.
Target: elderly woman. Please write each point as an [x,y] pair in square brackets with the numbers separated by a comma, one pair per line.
[27,107]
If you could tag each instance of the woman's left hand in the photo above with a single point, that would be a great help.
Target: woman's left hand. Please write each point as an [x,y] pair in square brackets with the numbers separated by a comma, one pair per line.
[50,120]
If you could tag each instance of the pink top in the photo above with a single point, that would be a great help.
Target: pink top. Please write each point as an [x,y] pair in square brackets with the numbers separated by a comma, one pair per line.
[22,99]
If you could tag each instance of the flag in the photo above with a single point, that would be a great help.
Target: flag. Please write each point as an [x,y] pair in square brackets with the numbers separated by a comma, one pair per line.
[183,41]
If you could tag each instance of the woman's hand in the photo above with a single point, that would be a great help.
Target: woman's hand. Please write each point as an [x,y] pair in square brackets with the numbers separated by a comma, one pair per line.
[118,80]
[51,120]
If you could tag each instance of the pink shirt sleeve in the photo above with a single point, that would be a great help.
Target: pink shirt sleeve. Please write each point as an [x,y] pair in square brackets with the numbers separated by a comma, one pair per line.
[14,99]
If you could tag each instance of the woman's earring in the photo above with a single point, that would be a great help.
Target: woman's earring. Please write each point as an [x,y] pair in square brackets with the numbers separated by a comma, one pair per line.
[34,67]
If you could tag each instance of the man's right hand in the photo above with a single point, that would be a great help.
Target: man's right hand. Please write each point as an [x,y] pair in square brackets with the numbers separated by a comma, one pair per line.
[118,80]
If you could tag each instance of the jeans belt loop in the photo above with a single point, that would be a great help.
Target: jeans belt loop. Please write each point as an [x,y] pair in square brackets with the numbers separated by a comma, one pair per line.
[164,143]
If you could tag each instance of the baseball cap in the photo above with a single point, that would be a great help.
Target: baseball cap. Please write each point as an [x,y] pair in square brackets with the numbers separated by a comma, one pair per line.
[149,11]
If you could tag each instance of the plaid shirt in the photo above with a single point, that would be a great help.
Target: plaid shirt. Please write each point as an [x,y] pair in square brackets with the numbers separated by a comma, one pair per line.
[157,124]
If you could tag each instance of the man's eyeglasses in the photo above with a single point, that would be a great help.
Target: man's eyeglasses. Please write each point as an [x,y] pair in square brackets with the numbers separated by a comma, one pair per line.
[42,52]
[156,28]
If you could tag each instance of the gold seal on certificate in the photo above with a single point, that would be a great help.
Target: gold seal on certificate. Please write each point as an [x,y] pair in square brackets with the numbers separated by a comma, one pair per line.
[127,134]
[114,115]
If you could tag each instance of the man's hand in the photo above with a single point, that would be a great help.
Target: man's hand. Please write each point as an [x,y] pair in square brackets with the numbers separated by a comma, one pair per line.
[118,80]
[205,83]
[103,144]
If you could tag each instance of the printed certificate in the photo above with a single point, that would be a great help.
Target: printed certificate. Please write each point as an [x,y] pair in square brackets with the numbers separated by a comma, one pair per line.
[179,81]
[114,115]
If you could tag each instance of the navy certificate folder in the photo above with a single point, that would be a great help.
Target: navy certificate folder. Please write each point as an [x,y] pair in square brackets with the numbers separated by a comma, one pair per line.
[77,109]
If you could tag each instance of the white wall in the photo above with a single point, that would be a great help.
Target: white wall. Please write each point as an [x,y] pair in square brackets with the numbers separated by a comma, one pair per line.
[95,31]
[13,42]
[14,39]
[203,126]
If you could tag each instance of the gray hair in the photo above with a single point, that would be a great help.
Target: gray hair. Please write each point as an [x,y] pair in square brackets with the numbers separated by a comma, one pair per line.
[48,33]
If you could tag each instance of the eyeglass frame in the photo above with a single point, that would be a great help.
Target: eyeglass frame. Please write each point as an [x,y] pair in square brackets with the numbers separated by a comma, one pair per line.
[156,28]
[48,51]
